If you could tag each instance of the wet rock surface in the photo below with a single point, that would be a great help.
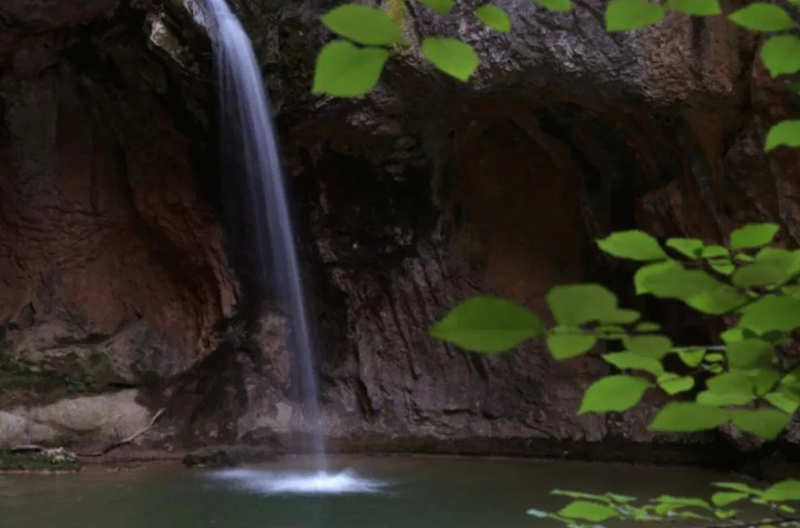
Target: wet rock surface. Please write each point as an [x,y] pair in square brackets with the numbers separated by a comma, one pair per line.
[117,268]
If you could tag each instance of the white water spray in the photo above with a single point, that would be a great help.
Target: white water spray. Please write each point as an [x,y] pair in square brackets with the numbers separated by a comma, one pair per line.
[249,133]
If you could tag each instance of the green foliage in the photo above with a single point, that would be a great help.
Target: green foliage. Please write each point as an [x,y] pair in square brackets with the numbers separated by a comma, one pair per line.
[784,134]
[760,16]
[613,394]
[363,24]
[633,245]
[494,17]
[344,70]
[696,7]
[488,324]
[624,15]
[781,55]
[687,417]
[575,304]
[442,7]
[451,56]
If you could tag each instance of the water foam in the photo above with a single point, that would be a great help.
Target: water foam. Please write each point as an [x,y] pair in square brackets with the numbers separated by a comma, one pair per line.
[300,483]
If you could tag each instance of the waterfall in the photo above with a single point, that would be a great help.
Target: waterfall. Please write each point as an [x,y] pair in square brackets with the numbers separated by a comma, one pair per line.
[249,141]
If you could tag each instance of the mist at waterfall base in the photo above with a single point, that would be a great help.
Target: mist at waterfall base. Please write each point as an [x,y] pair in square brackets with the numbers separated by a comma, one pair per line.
[250,148]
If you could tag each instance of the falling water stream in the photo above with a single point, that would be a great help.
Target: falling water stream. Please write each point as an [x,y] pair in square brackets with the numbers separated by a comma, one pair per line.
[248,135]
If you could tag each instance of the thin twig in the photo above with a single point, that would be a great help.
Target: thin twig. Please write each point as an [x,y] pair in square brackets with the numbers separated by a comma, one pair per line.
[127,440]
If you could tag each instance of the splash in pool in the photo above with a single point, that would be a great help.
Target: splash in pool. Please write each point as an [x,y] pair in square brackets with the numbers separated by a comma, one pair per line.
[300,483]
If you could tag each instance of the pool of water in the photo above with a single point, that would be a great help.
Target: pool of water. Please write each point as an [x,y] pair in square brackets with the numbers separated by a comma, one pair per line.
[402,492]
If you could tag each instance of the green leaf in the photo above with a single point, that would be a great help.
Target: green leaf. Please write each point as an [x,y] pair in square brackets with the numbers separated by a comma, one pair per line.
[732,335]
[556,5]
[589,511]
[765,380]
[738,382]
[786,490]
[628,360]
[644,273]
[771,267]
[442,7]
[494,17]
[697,289]
[784,134]
[344,70]
[718,399]
[724,498]
[781,55]
[692,357]
[622,316]
[766,423]
[363,24]
[753,236]
[451,56]
[487,324]
[784,399]
[685,417]
[653,346]
[760,16]
[567,346]
[624,15]
[688,247]
[648,327]
[696,7]
[575,304]
[738,486]
[613,394]
[674,384]
[634,244]
[750,353]
[771,313]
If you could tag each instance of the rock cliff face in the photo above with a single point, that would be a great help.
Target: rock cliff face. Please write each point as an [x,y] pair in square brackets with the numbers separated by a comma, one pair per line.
[406,202]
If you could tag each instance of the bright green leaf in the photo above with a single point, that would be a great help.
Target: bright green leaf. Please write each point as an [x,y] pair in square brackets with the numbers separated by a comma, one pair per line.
[648,327]
[688,247]
[363,24]
[442,7]
[589,511]
[771,313]
[696,7]
[628,360]
[737,486]
[692,357]
[784,399]
[724,498]
[452,56]
[645,272]
[732,335]
[765,381]
[613,394]
[575,304]
[784,134]
[781,54]
[786,490]
[738,382]
[760,16]
[487,324]
[714,251]
[653,346]
[753,236]
[723,267]
[624,15]
[567,346]
[494,17]
[622,316]
[674,384]
[718,399]
[633,245]
[750,353]
[344,70]
[685,417]
[556,5]
[697,289]
[766,423]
